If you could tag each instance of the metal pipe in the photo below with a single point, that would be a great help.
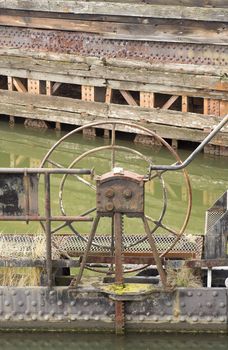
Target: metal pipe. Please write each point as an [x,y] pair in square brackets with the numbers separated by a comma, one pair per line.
[45,171]
[48,229]
[179,166]
[43,218]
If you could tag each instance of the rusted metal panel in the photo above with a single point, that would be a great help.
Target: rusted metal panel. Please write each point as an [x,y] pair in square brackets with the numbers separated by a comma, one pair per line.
[18,194]
[94,45]
[120,193]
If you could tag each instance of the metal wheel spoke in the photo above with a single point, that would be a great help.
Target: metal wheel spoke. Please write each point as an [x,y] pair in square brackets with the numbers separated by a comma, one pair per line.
[173,232]
[113,143]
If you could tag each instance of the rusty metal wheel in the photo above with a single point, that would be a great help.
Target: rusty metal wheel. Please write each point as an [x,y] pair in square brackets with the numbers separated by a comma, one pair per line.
[114,148]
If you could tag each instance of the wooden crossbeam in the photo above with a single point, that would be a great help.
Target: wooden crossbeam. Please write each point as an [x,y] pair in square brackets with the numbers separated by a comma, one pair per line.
[169,103]
[128,97]
[19,85]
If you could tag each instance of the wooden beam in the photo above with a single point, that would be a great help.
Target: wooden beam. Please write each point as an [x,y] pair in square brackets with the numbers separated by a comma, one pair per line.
[184,103]
[120,9]
[80,112]
[108,95]
[146,99]
[19,85]
[159,30]
[99,71]
[128,98]
[169,103]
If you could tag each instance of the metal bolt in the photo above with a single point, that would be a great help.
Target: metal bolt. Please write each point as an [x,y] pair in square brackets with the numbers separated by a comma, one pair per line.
[59,303]
[215,294]
[27,292]
[52,292]
[110,193]
[195,319]
[222,304]
[182,319]
[72,303]
[20,303]
[14,292]
[46,317]
[127,194]
[199,294]
[7,303]
[34,317]
[34,303]
[189,294]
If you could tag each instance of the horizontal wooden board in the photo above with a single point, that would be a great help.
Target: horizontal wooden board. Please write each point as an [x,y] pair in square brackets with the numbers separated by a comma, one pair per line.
[98,72]
[120,9]
[77,112]
[160,30]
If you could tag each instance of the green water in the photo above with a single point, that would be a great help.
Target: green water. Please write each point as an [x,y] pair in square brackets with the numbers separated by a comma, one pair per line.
[26,148]
[61,341]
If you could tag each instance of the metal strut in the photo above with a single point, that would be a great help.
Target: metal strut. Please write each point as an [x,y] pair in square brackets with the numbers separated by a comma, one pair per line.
[119,278]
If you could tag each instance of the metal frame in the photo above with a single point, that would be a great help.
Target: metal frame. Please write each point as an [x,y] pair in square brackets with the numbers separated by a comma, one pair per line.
[47,218]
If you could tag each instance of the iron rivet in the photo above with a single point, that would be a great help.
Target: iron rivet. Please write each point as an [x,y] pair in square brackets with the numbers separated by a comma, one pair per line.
[222,319]
[129,318]
[85,303]
[27,292]
[209,304]
[222,304]
[86,318]
[209,319]
[34,303]
[79,313]
[7,317]
[52,292]
[65,313]
[182,304]
[141,318]
[189,294]
[46,317]
[27,312]
[34,317]
[199,294]
[14,292]
[96,318]
[52,312]
[215,294]
[59,303]
[155,318]
[182,319]
[21,317]
[41,313]
[73,318]
[7,303]
[169,318]
[148,313]
[60,317]
[20,303]
[195,319]
[72,303]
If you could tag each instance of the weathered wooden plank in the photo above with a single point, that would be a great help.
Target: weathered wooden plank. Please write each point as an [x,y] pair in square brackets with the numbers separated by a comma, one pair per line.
[120,8]
[107,71]
[10,53]
[74,118]
[159,30]
[115,84]
[33,103]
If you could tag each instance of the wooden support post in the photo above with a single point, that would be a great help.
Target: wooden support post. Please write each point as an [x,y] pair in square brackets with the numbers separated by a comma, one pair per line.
[146,99]
[127,96]
[184,103]
[34,88]
[108,95]
[88,95]
[174,143]
[10,88]
[50,90]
